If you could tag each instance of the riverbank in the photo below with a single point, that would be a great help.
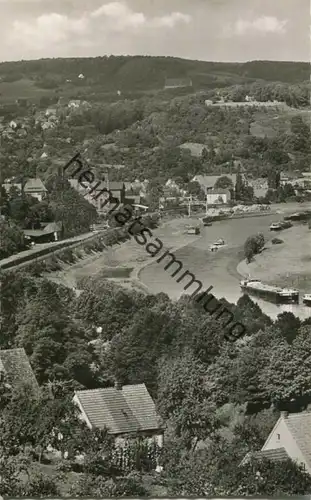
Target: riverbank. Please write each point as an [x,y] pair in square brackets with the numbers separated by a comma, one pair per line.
[287,264]
[128,256]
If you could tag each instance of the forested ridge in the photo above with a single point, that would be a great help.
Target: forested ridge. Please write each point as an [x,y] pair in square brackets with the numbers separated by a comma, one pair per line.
[149,72]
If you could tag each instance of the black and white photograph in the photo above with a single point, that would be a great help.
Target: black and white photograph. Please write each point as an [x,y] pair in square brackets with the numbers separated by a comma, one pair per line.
[155,249]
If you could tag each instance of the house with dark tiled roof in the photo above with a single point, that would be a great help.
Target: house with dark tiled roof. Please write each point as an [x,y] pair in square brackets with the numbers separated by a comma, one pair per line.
[49,232]
[289,438]
[125,411]
[35,188]
[14,363]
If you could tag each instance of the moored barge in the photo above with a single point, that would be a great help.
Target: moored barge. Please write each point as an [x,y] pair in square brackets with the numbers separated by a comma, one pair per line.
[306,215]
[274,294]
[193,230]
[306,299]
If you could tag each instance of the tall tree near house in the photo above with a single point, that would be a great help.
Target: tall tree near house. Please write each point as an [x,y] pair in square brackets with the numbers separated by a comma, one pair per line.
[64,202]
[223,182]
[4,202]
[195,189]
[274,177]
[239,185]
[12,239]
[154,192]
[182,399]
[289,388]
[289,325]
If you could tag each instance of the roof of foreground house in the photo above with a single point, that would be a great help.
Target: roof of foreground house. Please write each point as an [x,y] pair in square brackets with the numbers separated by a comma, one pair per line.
[299,425]
[15,363]
[277,454]
[122,411]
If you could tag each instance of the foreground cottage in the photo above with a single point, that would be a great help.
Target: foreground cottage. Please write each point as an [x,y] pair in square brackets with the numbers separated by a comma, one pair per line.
[125,411]
[290,438]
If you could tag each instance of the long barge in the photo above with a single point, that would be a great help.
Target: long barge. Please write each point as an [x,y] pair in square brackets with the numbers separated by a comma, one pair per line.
[274,294]
[306,215]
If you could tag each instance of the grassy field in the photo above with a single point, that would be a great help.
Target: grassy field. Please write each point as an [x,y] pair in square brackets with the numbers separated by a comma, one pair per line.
[22,89]
[270,122]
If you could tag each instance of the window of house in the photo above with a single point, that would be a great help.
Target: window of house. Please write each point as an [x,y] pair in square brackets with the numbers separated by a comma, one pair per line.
[278,437]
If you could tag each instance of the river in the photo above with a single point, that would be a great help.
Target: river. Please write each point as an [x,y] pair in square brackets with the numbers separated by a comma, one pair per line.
[219,269]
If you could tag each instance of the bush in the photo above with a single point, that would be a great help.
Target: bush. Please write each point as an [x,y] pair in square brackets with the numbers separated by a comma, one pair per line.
[78,254]
[37,268]
[88,248]
[276,241]
[67,256]
[91,485]
[99,246]
[52,264]
[253,245]
[41,486]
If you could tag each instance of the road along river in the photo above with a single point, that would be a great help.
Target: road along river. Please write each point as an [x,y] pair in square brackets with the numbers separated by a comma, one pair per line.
[219,269]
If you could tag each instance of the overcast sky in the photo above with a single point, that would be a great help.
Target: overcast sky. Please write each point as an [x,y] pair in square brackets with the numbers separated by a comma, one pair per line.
[211,30]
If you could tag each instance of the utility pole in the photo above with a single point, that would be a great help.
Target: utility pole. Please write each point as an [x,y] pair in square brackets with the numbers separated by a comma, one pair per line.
[206,204]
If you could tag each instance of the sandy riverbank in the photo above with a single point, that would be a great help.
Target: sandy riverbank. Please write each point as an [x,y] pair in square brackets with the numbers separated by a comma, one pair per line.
[287,264]
[128,256]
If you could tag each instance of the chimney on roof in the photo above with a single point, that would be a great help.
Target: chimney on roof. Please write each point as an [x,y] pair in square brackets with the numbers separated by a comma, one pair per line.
[284,414]
[118,385]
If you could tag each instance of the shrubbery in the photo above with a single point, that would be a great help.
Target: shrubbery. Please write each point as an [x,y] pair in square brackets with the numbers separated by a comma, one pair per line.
[276,241]
[253,245]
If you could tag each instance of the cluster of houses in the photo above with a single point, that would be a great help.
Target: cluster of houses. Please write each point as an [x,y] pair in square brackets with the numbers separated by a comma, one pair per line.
[129,411]
[300,180]
[50,118]
[127,193]
[46,119]
[14,128]
[221,196]
[212,195]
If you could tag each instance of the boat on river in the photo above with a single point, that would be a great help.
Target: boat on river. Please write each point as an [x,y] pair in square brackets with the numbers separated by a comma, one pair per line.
[270,293]
[306,299]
